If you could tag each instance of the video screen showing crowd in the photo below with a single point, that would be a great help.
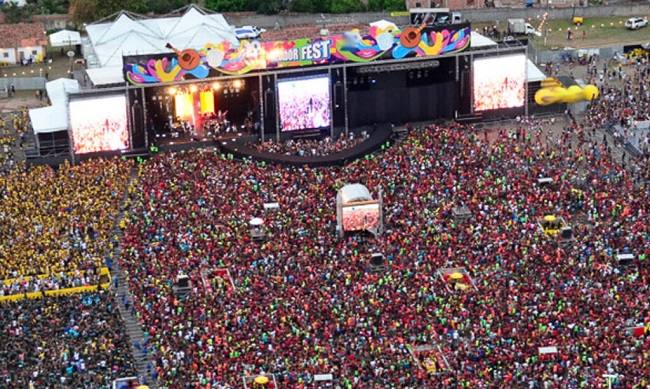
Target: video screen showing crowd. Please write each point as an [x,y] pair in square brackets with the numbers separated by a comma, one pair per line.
[499,83]
[304,103]
[99,124]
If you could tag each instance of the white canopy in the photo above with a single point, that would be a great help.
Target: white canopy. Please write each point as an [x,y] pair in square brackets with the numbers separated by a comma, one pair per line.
[59,89]
[383,24]
[105,76]
[256,221]
[49,119]
[354,192]
[478,41]
[533,72]
[130,35]
[65,38]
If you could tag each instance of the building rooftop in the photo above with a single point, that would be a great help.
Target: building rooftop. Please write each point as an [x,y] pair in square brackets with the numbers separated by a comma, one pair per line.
[22,35]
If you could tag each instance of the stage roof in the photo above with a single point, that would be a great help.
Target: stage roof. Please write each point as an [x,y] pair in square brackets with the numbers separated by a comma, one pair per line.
[479,41]
[131,35]
[534,74]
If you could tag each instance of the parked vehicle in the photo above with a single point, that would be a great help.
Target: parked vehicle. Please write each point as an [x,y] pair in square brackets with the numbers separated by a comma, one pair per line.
[636,23]
[249,32]
[521,27]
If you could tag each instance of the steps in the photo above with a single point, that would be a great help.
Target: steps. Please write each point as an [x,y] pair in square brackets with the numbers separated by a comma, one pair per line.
[134,329]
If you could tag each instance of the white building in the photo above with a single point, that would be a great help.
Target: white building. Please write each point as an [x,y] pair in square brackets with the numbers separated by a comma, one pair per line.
[24,41]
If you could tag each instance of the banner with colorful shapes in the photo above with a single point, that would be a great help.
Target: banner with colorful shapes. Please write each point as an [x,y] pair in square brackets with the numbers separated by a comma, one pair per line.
[223,58]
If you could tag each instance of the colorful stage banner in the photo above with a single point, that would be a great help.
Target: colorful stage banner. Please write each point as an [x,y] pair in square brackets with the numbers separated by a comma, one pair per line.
[214,60]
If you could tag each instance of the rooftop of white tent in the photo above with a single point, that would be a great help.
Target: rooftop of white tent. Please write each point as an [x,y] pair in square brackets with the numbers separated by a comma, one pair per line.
[132,34]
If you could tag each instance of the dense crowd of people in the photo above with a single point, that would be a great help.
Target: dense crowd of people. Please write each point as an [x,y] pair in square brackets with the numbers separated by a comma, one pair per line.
[59,220]
[74,341]
[309,147]
[305,302]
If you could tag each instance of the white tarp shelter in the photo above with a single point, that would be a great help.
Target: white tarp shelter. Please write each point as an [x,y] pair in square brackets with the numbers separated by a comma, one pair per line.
[547,350]
[105,76]
[478,41]
[354,192]
[49,119]
[59,89]
[65,38]
[533,72]
[383,24]
[130,34]
[55,117]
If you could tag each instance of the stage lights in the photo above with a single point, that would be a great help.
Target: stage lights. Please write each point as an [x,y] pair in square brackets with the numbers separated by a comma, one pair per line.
[172,91]
[237,84]
[216,86]
[193,88]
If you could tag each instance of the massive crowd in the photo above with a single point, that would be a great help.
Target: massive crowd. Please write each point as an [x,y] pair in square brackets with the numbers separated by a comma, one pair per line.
[306,303]
[75,341]
[308,147]
[58,220]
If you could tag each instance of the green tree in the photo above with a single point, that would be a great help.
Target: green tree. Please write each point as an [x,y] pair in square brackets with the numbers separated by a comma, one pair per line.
[86,11]
[15,14]
[347,6]
[161,7]
[385,5]
[49,7]
[226,5]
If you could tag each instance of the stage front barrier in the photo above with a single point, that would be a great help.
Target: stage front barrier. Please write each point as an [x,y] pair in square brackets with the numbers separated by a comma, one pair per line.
[105,278]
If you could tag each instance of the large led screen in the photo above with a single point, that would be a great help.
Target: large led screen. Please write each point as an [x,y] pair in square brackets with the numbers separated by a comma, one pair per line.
[99,124]
[360,217]
[499,82]
[304,103]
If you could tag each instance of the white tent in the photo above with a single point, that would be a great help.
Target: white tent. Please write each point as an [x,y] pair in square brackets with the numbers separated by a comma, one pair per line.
[59,89]
[478,41]
[383,24]
[65,38]
[105,76]
[129,35]
[533,72]
[49,119]
[354,192]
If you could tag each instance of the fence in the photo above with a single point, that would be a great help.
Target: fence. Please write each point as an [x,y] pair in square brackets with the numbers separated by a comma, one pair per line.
[23,83]
[473,15]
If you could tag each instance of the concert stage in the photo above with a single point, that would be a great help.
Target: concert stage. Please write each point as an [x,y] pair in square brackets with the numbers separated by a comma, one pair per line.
[287,90]
[378,137]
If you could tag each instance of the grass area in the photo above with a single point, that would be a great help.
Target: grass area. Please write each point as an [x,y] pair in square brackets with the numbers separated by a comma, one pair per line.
[57,69]
[600,32]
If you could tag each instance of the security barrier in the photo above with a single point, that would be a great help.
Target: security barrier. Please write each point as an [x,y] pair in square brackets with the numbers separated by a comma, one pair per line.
[104,283]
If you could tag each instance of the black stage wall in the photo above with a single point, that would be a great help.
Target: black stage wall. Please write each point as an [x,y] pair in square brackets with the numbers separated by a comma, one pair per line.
[403,96]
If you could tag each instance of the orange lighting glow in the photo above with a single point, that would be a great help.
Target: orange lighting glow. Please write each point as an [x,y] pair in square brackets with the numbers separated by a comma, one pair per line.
[216,86]
[193,88]
[184,106]
[237,84]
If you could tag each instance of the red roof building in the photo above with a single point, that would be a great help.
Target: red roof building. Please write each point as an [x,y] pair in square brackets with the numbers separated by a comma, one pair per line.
[24,41]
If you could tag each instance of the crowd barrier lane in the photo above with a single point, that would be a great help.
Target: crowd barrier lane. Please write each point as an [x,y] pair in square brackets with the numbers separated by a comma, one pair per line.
[51,293]
[105,283]
[102,272]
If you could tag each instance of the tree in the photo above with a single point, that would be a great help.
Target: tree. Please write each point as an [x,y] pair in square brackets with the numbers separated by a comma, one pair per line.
[225,5]
[86,11]
[347,6]
[49,7]
[15,14]
[385,5]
